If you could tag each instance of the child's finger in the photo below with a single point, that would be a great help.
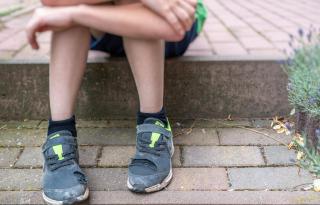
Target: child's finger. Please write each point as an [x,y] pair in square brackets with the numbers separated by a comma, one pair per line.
[187,7]
[31,33]
[174,22]
[184,17]
[192,2]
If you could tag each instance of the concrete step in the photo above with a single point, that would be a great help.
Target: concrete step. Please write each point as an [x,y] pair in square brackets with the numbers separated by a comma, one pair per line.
[195,87]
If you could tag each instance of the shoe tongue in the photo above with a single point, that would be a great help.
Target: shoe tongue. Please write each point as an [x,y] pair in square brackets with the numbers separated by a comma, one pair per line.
[152,120]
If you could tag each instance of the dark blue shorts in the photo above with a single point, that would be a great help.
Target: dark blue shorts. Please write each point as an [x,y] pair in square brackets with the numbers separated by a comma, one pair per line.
[113,44]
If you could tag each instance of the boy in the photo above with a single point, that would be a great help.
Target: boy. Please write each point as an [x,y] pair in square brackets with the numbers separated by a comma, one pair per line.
[137,29]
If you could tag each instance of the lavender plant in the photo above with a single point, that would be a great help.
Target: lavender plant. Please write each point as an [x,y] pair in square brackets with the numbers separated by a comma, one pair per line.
[303,69]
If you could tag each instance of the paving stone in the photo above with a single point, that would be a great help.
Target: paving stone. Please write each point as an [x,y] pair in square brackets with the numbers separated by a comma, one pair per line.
[256,42]
[45,37]
[175,197]
[107,179]
[194,53]
[119,156]
[198,136]
[19,124]
[116,156]
[233,49]
[30,157]
[205,197]
[219,123]
[204,179]
[6,55]
[221,37]
[22,137]
[261,123]
[279,155]
[15,42]
[268,52]
[20,179]
[222,156]
[8,156]
[268,178]
[107,136]
[21,197]
[7,32]
[200,43]
[106,123]
[238,136]
[88,155]
[27,53]
[113,179]
[127,136]
[175,123]
[258,25]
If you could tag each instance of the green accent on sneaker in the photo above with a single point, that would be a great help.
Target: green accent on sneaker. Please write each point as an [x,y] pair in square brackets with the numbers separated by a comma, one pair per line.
[159,123]
[154,138]
[58,151]
[201,15]
[55,136]
[168,126]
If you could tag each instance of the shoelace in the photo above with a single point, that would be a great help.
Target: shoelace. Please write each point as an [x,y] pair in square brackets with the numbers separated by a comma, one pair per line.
[54,163]
[143,146]
[68,157]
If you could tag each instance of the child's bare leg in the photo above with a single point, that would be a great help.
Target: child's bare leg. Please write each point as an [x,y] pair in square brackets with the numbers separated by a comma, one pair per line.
[69,49]
[67,65]
[146,58]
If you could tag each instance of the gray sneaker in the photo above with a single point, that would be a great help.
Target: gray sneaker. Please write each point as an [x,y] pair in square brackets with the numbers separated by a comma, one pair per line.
[150,169]
[63,180]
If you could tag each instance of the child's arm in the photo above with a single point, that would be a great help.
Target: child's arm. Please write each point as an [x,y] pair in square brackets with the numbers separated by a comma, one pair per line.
[71,2]
[133,20]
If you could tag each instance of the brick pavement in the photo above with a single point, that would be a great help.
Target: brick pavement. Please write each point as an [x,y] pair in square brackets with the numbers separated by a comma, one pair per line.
[234,28]
[212,164]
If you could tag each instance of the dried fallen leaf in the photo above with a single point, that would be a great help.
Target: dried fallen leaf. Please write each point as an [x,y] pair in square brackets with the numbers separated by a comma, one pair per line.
[293,111]
[291,145]
[281,130]
[299,155]
[277,127]
[316,185]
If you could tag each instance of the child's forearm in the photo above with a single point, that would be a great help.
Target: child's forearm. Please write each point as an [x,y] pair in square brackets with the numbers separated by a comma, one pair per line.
[71,2]
[133,20]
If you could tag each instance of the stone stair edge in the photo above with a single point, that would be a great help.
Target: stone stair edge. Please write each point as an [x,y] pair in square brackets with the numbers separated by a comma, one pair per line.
[218,58]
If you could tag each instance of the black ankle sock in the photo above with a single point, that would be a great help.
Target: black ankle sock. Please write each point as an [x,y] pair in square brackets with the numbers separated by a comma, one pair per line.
[67,124]
[161,115]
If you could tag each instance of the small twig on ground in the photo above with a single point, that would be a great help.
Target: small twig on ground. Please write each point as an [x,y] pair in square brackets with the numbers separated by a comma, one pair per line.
[189,130]
[4,126]
[252,130]
[264,134]
[191,127]
[307,185]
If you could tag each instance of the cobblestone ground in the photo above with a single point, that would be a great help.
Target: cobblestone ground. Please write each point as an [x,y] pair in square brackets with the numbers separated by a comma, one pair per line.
[234,28]
[214,162]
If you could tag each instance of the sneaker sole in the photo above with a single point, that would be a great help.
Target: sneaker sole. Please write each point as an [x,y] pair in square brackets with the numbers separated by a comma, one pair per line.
[156,187]
[160,186]
[55,202]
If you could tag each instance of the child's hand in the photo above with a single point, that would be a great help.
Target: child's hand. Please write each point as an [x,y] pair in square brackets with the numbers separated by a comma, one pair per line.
[44,19]
[179,13]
